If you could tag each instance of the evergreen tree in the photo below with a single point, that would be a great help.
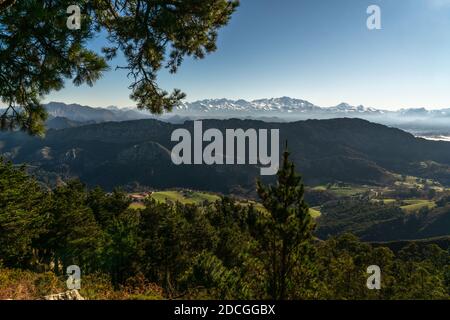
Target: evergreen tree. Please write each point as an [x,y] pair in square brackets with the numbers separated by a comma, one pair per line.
[6,3]
[21,218]
[38,52]
[122,254]
[73,236]
[106,207]
[286,230]
[447,278]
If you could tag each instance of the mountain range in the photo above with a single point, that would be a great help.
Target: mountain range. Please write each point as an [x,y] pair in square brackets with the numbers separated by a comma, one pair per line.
[419,121]
[87,114]
[281,105]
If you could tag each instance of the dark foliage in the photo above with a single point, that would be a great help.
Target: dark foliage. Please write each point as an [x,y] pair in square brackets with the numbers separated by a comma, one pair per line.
[222,250]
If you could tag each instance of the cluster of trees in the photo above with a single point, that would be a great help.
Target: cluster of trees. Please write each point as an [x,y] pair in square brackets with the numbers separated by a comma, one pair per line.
[385,221]
[38,52]
[224,250]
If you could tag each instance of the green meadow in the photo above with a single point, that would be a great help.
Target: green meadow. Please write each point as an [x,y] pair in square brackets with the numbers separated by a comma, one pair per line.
[199,198]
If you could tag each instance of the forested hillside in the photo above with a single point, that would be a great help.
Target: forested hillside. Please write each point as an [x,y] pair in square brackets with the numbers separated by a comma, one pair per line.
[219,250]
[123,153]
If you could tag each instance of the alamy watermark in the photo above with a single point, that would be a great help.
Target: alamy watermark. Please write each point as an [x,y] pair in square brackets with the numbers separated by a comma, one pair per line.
[374,19]
[374,280]
[74,20]
[74,277]
[234,151]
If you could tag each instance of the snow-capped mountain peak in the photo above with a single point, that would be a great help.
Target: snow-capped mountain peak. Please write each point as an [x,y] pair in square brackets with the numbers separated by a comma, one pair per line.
[271,105]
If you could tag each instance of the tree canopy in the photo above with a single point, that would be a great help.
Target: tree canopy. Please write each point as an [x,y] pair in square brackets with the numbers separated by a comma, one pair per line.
[226,249]
[38,52]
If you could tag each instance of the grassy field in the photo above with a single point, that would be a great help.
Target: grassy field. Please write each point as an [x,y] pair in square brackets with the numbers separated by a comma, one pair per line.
[315,212]
[185,197]
[342,191]
[411,206]
[385,201]
[415,182]
[137,205]
[194,197]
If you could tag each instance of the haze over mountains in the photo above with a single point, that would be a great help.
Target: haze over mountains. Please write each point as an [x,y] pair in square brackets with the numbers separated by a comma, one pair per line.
[419,121]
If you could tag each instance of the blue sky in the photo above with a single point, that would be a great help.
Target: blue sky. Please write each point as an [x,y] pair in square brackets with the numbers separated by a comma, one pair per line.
[318,50]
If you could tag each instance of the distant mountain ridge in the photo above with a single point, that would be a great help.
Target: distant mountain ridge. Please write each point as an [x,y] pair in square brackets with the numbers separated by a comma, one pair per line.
[291,105]
[418,121]
[283,105]
[277,105]
[76,112]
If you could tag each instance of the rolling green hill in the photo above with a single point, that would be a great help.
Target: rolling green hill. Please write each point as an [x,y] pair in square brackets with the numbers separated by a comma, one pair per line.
[200,198]
[185,197]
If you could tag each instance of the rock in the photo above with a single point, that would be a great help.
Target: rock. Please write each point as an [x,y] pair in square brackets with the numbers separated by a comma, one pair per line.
[68,295]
